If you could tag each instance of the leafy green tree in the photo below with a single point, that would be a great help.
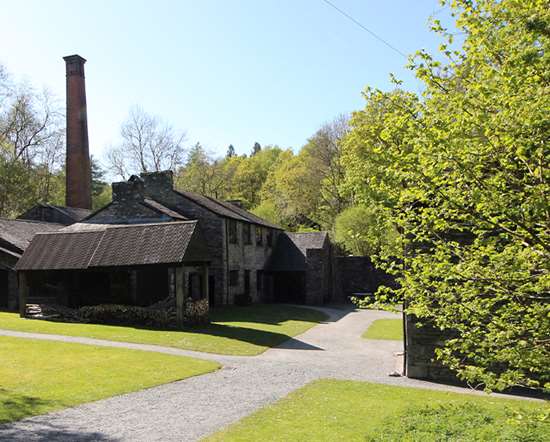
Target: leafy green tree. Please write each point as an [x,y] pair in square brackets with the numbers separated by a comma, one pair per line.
[291,188]
[256,148]
[323,153]
[251,174]
[269,212]
[464,172]
[230,152]
[31,148]
[367,231]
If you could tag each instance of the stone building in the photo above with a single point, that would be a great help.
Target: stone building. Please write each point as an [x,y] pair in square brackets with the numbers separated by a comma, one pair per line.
[242,258]
[301,268]
[123,254]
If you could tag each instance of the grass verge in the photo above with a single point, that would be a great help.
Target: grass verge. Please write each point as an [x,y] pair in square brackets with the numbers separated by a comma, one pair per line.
[330,410]
[389,329]
[234,330]
[37,377]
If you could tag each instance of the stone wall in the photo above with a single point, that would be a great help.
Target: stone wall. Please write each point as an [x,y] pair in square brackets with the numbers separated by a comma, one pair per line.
[356,274]
[318,275]
[127,206]
[243,257]
[421,343]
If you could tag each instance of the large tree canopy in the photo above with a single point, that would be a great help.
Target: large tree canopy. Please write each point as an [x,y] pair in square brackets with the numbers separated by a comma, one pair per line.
[31,147]
[464,171]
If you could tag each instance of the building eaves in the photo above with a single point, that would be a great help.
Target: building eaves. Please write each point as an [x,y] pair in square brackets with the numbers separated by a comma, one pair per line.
[225,209]
[159,208]
[101,246]
[19,232]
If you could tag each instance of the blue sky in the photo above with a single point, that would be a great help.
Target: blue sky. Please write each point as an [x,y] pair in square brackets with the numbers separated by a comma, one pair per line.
[231,71]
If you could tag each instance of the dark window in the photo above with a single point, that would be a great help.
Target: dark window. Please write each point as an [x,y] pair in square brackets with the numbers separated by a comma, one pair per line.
[270,238]
[232,231]
[234,278]
[259,236]
[247,282]
[247,234]
[259,280]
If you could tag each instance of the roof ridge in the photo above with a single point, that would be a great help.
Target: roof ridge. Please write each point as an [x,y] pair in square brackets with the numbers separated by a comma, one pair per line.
[104,227]
[194,194]
[31,221]
[309,233]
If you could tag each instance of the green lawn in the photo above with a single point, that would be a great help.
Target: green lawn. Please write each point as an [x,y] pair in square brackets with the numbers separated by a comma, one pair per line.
[391,329]
[234,330]
[330,410]
[37,377]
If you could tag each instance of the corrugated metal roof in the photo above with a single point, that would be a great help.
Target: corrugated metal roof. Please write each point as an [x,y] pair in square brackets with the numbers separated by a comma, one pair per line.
[19,232]
[110,246]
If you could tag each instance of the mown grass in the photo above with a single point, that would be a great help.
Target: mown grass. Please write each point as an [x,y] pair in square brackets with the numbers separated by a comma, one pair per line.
[330,410]
[390,329]
[38,376]
[234,330]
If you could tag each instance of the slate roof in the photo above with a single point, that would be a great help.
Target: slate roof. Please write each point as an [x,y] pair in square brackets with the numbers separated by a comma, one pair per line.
[290,251]
[158,207]
[308,240]
[226,209]
[76,213]
[102,245]
[18,233]
[248,215]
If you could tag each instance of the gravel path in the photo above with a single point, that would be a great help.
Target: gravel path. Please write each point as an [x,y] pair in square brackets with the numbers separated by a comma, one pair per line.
[193,408]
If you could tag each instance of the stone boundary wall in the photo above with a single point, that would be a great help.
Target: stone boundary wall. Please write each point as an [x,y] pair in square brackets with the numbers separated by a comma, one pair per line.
[318,275]
[421,343]
[356,274]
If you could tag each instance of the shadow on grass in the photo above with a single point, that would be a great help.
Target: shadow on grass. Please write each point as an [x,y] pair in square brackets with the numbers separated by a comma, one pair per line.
[253,336]
[273,314]
[230,322]
[14,407]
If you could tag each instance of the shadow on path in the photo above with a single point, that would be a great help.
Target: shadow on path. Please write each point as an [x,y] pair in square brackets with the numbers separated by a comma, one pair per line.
[49,432]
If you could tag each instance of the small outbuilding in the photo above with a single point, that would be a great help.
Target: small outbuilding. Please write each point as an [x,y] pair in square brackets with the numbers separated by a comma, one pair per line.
[300,268]
[138,264]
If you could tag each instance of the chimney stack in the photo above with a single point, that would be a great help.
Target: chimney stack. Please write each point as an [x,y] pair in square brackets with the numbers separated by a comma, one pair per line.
[78,169]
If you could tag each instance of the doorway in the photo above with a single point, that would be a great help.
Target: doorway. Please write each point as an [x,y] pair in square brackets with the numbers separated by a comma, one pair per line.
[4,289]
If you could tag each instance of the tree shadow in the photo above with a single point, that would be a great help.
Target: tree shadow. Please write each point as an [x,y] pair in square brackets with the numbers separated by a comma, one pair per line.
[262,338]
[274,314]
[48,432]
[14,407]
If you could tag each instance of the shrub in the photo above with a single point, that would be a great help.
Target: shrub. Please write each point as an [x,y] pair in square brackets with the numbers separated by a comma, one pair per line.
[125,314]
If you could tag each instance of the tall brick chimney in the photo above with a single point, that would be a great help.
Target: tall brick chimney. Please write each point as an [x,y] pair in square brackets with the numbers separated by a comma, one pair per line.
[78,170]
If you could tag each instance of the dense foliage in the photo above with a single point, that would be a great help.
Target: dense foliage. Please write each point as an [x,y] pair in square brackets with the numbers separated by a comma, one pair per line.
[463,170]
